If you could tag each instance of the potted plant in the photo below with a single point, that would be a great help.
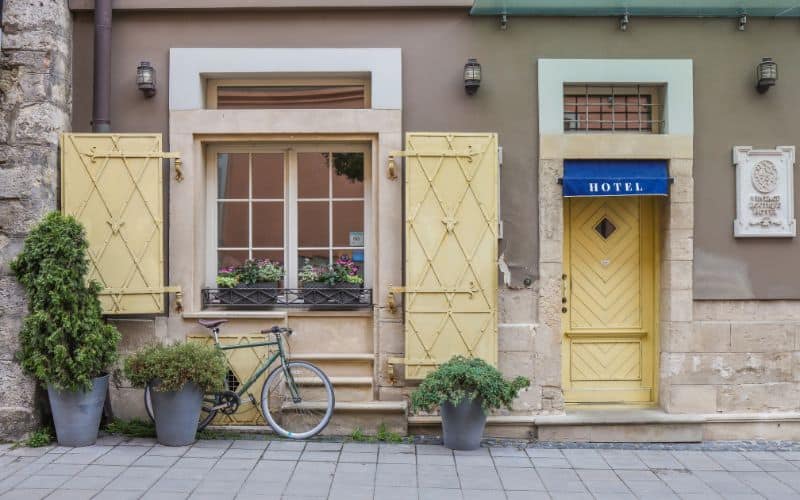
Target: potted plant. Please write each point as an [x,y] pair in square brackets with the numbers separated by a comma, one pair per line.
[254,282]
[465,389]
[226,280]
[64,342]
[178,376]
[342,278]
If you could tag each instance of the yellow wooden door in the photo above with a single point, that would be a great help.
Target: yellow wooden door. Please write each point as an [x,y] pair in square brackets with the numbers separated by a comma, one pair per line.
[608,349]
[451,249]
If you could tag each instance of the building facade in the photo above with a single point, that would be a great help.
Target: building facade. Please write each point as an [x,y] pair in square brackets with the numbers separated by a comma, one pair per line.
[610,214]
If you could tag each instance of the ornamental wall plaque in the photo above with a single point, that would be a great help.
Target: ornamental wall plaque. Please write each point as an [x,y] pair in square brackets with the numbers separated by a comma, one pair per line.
[764,192]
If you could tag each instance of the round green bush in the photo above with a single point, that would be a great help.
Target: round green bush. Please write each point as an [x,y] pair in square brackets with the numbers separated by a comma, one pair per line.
[64,341]
[466,378]
[175,365]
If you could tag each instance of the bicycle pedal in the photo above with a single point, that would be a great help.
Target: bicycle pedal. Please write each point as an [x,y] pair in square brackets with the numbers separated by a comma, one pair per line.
[252,398]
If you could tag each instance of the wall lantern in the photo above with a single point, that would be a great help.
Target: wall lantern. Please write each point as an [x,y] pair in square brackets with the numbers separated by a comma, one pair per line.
[146,78]
[472,76]
[766,74]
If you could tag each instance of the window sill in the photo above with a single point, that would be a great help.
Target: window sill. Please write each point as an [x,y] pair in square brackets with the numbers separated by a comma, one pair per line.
[276,314]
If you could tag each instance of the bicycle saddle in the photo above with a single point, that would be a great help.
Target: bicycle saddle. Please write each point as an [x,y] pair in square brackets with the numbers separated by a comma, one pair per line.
[212,323]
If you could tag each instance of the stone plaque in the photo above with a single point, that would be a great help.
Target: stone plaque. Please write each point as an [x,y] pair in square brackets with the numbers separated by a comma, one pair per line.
[764,192]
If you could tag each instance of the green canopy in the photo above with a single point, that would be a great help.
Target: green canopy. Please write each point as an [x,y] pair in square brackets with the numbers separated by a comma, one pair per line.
[674,8]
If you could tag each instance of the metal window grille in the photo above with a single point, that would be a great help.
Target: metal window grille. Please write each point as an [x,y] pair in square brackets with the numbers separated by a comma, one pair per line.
[630,108]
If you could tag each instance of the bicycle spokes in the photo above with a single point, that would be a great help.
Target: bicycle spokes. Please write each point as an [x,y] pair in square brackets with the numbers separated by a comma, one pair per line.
[298,400]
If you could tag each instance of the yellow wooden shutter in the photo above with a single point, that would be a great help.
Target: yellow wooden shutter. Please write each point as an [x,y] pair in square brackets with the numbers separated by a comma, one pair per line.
[451,270]
[112,183]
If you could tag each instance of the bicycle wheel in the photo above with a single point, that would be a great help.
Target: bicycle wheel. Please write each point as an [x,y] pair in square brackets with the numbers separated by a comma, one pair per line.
[303,416]
[206,412]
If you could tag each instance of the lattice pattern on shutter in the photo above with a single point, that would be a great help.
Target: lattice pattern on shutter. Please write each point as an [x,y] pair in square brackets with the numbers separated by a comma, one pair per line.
[113,184]
[451,249]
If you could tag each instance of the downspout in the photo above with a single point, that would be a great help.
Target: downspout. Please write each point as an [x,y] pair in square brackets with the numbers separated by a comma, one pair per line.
[101,106]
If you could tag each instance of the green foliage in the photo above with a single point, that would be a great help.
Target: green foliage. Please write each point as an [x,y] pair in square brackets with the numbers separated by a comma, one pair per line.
[132,428]
[358,435]
[175,365]
[252,271]
[383,435]
[344,270]
[386,436]
[227,281]
[464,378]
[39,438]
[64,341]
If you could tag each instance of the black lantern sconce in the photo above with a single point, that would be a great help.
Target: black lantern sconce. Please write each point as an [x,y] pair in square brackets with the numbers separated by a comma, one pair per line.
[766,74]
[472,76]
[146,78]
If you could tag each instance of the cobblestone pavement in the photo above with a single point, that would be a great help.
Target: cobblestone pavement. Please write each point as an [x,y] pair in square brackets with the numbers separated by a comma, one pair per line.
[121,469]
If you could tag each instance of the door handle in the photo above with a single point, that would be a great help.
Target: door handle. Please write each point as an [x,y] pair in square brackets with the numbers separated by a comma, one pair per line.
[564,293]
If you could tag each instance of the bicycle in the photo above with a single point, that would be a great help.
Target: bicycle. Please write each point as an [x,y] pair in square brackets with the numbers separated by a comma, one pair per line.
[290,398]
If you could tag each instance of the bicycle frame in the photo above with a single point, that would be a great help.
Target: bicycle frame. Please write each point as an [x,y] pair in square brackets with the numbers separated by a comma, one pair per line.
[264,366]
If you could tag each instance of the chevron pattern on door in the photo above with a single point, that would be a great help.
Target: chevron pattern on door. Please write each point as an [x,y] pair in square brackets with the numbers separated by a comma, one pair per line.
[608,351]
[606,289]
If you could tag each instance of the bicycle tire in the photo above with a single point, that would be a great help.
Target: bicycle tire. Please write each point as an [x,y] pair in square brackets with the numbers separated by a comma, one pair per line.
[202,423]
[273,421]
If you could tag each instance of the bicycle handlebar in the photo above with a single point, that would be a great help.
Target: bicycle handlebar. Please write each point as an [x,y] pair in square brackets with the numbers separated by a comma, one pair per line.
[278,329]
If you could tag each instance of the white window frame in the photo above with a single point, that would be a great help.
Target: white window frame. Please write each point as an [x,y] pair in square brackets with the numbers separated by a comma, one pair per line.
[290,237]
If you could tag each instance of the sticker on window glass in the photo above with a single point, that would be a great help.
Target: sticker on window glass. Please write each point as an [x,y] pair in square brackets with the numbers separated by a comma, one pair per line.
[356,238]
[358,256]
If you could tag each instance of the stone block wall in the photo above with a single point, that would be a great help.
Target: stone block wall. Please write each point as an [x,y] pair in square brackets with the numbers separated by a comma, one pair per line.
[738,357]
[35,107]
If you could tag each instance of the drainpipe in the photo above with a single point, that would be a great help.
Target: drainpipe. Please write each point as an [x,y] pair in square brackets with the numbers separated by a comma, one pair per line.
[101,114]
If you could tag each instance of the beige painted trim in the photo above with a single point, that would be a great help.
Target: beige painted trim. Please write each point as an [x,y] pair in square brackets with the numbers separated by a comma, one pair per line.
[190,133]
[88,5]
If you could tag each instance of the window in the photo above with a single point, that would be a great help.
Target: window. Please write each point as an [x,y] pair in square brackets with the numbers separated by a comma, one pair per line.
[295,204]
[616,108]
[321,93]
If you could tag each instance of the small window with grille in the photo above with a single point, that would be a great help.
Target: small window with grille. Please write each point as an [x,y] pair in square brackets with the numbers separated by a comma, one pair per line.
[615,108]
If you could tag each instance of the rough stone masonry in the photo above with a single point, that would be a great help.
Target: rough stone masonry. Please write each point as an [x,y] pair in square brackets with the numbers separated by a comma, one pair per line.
[35,107]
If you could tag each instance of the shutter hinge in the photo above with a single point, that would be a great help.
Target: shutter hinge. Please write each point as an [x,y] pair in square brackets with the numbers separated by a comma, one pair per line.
[500,156]
[169,155]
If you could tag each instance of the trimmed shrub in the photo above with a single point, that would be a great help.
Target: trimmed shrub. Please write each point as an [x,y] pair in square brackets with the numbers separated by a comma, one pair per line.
[175,365]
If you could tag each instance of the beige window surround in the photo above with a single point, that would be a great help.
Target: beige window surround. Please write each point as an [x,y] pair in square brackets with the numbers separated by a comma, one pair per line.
[192,131]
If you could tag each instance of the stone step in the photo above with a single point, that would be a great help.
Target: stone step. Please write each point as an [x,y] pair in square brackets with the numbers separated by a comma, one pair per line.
[344,388]
[340,364]
[367,416]
[620,425]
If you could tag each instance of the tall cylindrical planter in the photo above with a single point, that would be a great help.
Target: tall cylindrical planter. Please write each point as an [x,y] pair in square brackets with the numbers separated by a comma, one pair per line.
[77,413]
[176,414]
[462,425]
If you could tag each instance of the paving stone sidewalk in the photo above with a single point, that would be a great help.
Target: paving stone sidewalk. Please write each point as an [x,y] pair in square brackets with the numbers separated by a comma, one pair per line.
[121,469]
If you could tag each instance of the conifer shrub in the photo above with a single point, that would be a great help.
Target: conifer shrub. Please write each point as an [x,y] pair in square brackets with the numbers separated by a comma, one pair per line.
[463,378]
[64,341]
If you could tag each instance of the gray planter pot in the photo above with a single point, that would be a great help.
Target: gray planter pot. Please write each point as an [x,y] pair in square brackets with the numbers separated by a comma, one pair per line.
[176,414]
[462,425]
[77,414]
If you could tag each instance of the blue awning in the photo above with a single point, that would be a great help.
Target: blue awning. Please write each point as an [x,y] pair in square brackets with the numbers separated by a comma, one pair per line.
[615,178]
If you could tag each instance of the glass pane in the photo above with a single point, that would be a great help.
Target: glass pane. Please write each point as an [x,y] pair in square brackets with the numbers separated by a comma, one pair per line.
[356,255]
[268,175]
[312,223]
[268,224]
[230,258]
[232,224]
[348,175]
[348,223]
[273,255]
[232,175]
[312,175]
[291,97]
[314,257]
